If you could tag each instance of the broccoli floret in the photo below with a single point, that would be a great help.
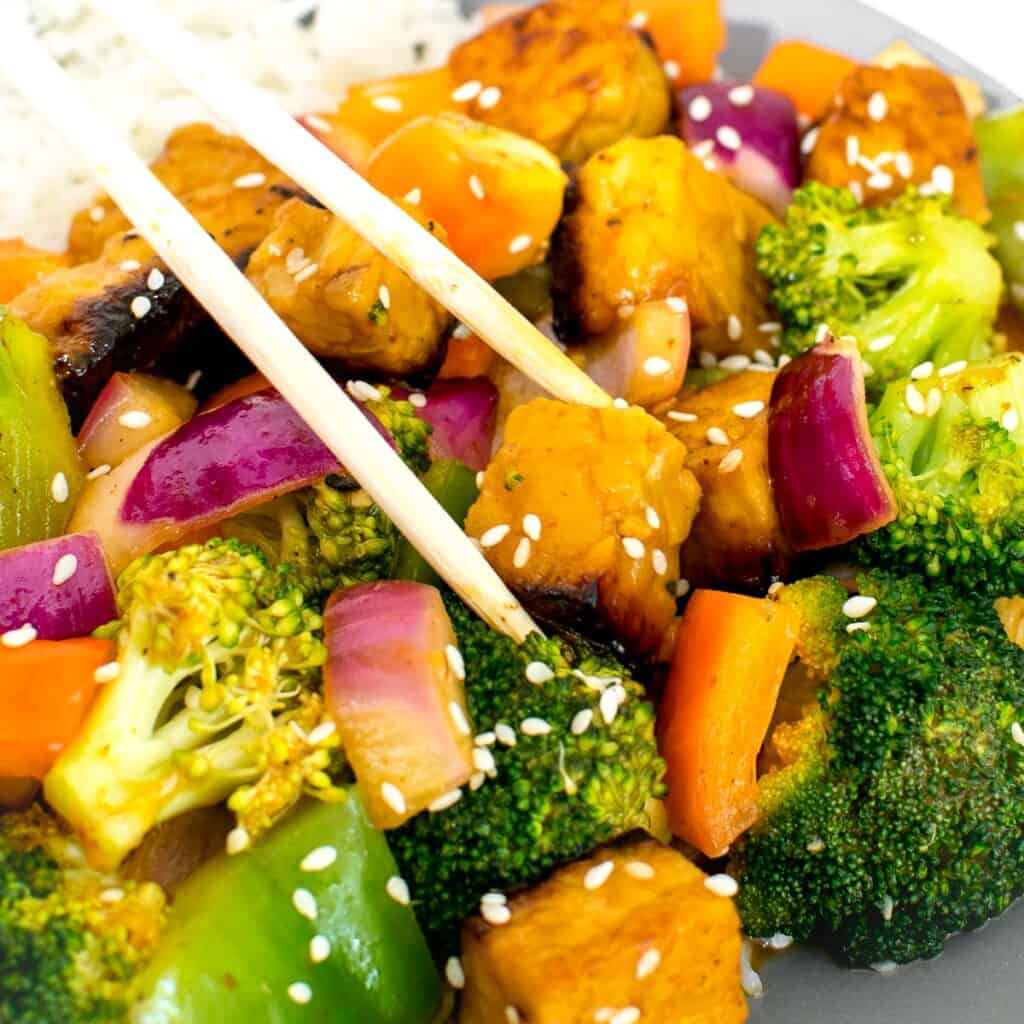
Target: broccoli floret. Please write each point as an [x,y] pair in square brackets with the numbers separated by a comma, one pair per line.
[892,810]
[552,796]
[411,434]
[218,661]
[956,465]
[911,281]
[71,939]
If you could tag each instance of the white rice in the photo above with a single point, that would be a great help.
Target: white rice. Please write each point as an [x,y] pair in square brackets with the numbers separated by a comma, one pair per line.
[306,65]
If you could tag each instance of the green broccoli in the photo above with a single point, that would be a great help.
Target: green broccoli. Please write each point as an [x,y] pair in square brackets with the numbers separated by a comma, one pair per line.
[71,939]
[952,447]
[1000,144]
[893,806]
[213,695]
[551,796]
[410,433]
[911,281]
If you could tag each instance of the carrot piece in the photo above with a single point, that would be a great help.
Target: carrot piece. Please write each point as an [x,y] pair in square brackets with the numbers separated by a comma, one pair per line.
[809,75]
[22,265]
[688,35]
[730,658]
[373,111]
[46,689]
[467,357]
[239,389]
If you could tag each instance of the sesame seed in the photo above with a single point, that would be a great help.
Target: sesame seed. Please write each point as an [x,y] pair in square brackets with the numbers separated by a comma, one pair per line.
[915,400]
[135,419]
[193,379]
[950,368]
[319,948]
[417,400]
[467,91]
[647,964]
[741,95]
[398,889]
[455,661]
[659,561]
[320,733]
[495,535]
[942,178]
[130,265]
[778,941]
[1017,733]
[652,517]
[728,137]
[879,344]
[677,304]
[253,180]
[444,801]
[656,366]
[750,980]
[459,718]
[476,186]
[494,897]
[703,150]
[858,627]
[520,243]
[384,295]
[933,402]
[736,362]
[581,722]
[495,913]
[392,104]
[362,391]
[777,587]
[638,20]
[627,1015]
[489,97]
[770,327]
[521,555]
[112,895]
[533,727]
[156,280]
[485,739]
[859,605]
[682,417]
[1018,230]
[413,196]
[721,885]
[1010,420]
[784,360]
[140,306]
[716,435]
[816,845]
[96,214]
[640,870]
[856,190]
[393,797]
[454,973]
[699,108]
[748,410]
[304,903]
[922,370]
[682,588]
[610,702]
[66,567]
[483,761]
[512,1015]
[476,780]
[538,672]
[707,360]
[620,403]
[299,992]
[634,547]
[879,180]
[878,106]
[809,141]
[764,358]
[730,461]
[505,734]
[904,165]
[295,260]
[532,526]
[852,150]
[306,272]
[237,841]
[107,673]
[19,637]
[598,874]
[671,69]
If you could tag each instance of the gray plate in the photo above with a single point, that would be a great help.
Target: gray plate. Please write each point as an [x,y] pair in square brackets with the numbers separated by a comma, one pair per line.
[980,977]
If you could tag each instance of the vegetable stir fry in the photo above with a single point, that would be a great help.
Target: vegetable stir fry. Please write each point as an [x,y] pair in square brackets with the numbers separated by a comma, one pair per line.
[258,762]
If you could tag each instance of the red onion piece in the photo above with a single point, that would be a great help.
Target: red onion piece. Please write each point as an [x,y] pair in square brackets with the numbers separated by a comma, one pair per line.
[750,132]
[60,587]
[132,409]
[826,475]
[394,689]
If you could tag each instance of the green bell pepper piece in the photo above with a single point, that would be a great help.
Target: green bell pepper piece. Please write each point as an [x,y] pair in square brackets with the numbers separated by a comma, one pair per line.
[35,440]
[454,486]
[236,948]
[529,290]
[1001,148]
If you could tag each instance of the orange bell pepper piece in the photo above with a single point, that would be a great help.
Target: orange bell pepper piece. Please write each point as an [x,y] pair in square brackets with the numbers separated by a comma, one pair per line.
[46,690]
[22,265]
[809,75]
[731,655]
[688,35]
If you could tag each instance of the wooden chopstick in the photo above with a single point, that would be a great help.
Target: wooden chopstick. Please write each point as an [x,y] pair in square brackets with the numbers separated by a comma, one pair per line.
[210,275]
[286,144]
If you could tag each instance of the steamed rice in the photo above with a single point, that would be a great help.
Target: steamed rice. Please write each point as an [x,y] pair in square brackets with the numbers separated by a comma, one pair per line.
[304,52]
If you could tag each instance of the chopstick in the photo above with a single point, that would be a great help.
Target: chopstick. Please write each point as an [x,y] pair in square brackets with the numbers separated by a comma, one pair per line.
[268,128]
[211,276]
